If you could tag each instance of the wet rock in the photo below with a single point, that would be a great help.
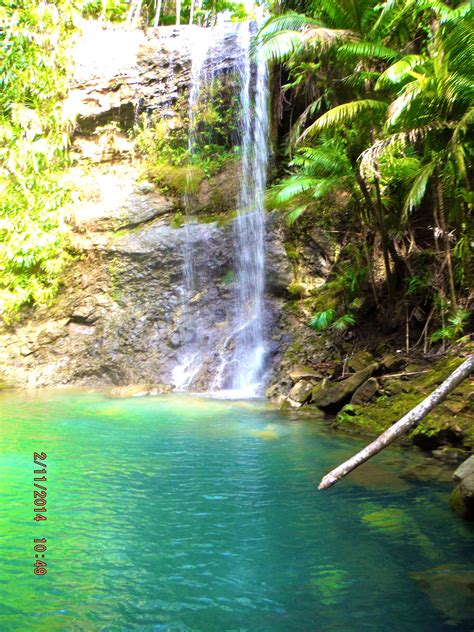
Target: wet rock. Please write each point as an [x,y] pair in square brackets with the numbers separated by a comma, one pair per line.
[301,392]
[462,497]
[449,454]
[365,392]
[278,270]
[303,372]
[444,433]
[277,393]
[220,192]
[427,471]
[139,390]
[333,396]
[450,590]
[465,469]
[360,360]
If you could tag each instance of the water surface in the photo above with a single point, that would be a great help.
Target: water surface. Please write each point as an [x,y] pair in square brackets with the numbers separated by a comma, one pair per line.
[179,513]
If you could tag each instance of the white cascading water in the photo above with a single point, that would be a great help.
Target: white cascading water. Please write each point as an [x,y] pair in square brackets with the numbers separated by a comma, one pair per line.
[249,231]
[188,366]
[240,366]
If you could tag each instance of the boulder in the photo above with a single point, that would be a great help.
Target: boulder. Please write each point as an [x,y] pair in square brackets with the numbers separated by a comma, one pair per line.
[391,363]
[278,392]
[301,392]
[462,497]
[302,373]
[360,360]
[332,397]
[393,387]
[365,392]
[466,468]
[461,500]
[140,390]
[317,388]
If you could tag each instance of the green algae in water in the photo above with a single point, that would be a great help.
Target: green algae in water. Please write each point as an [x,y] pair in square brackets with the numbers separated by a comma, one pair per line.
[180,513]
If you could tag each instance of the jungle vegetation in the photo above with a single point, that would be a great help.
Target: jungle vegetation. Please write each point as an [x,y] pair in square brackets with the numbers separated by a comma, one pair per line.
[373,103]
[380,97]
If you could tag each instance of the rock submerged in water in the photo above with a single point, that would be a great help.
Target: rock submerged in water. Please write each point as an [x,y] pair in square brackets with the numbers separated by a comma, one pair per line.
[449,589]
[139,390]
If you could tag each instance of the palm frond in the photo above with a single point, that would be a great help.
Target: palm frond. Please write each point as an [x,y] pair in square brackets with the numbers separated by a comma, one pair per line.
[369,158]
[280,46]
[465,121]
[354,50]
[294,214]
[293,186]
[343,114]
[286,22]
[322,320]
[399,107]
[400,70]
[417,189]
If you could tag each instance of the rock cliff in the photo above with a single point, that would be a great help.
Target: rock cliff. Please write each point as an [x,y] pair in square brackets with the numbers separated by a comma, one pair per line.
[122,316]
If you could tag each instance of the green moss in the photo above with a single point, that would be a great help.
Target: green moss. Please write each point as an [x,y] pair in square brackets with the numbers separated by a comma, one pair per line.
[178,220]
[296,289]
[179,179]
[291,250]
[228,277]
[377,416]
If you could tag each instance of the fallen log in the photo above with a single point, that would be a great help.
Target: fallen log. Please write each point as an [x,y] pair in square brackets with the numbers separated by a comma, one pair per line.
[400,427]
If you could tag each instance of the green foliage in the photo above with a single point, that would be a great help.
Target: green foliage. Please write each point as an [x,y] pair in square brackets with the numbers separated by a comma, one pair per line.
[322,320]
[34,143]
[179,179]
[457,323]
[111,10]
[174,163]
[388,105]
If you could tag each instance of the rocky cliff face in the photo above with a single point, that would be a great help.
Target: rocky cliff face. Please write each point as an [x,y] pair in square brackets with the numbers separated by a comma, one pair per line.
[122,316]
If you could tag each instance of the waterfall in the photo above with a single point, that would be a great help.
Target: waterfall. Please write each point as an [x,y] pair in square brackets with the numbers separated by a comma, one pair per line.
[249,232]
[238,355]
[189,363]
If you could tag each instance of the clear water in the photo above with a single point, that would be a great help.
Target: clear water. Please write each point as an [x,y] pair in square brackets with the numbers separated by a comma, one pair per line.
[180,513]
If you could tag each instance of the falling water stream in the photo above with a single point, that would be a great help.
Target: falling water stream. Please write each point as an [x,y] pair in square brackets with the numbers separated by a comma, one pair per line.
[239,367]
[249,232]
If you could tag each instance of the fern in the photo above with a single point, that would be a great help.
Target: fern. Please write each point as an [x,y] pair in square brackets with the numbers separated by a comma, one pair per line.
[322,320]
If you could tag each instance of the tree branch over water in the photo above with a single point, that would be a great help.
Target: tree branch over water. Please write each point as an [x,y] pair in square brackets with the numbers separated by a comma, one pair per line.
[402,426]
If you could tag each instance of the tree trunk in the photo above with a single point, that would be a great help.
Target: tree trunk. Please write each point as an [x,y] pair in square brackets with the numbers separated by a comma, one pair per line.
[406,423]
[178,12]
[444,228]
[191,15]
[157,14]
